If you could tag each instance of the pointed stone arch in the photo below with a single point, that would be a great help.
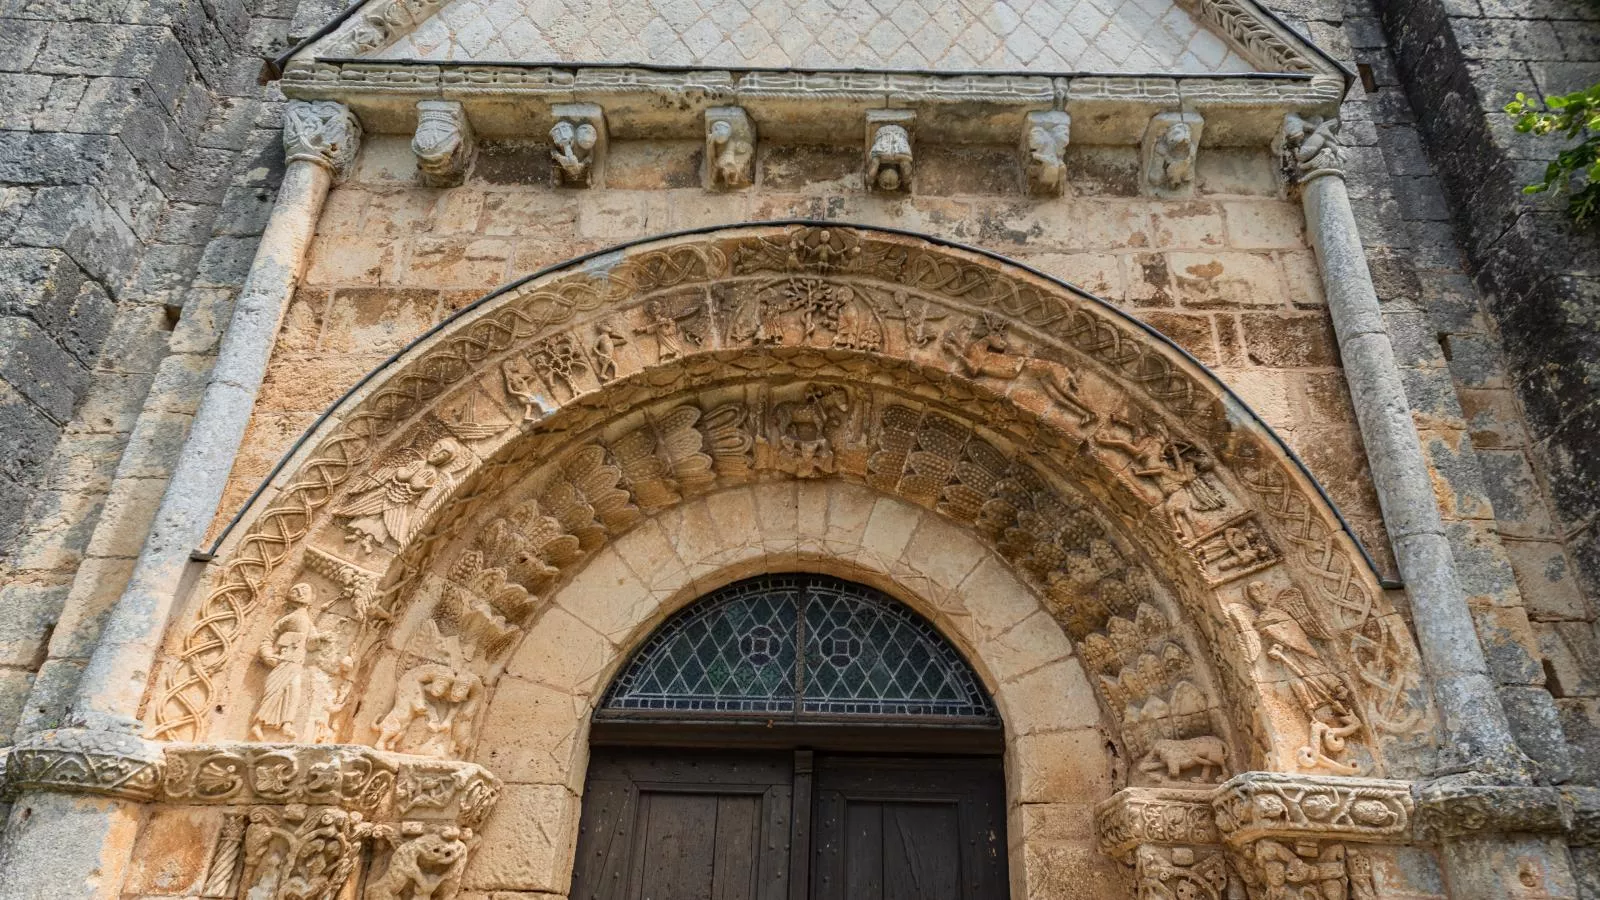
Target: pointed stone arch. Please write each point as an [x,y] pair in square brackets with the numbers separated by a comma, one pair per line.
[1174,539]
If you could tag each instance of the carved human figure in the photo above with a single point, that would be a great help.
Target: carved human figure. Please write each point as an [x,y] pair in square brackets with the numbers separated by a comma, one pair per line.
[427,865]
[1308,871]
[1177,469]
[285,652]
[889,159]
[389,505]
[574,150]
[805,449]
[523,387]
[445,698]
[1284,624]
[919,315]
[1312,148]
[660,321]
[608,339]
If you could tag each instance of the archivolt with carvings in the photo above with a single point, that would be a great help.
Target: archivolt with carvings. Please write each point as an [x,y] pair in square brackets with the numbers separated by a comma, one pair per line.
[1137,496]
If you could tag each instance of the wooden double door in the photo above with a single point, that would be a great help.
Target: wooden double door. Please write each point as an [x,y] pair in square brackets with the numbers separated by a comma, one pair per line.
[663,824]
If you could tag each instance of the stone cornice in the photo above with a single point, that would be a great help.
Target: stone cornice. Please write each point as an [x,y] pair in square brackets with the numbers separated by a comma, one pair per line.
[514,101]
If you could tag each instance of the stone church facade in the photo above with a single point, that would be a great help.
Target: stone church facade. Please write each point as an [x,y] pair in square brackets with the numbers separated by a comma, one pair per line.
[517,449]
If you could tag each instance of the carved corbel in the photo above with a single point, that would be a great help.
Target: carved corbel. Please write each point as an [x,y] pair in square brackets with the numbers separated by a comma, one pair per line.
[889,150]
[1311,148]
[444,143]
[1044,148]
[578,140]
[1171,141]
[321,132]
[730,149]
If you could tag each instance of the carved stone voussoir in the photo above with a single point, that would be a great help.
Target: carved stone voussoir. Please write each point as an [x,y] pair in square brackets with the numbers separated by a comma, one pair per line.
[321,132]
[80,761]
[1258,805]
[1449,809]
[1133,817]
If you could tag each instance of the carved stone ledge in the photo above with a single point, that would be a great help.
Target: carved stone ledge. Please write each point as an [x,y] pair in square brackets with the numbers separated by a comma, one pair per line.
[80,761]
[1136,816]
[1450,808]
[379,785]
[1258,805]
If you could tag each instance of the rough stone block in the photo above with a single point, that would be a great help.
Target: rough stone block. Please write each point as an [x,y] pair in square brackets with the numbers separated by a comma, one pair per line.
[38,369]
[27,435]
[78,220]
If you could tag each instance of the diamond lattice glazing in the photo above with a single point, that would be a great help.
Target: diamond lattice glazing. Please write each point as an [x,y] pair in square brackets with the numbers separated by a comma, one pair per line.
[739,651]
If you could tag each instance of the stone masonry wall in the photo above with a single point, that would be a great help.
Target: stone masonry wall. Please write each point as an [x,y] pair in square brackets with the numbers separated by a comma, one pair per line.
[138,160]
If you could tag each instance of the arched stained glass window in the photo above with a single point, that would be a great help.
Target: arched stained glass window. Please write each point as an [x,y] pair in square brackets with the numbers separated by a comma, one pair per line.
[800,647]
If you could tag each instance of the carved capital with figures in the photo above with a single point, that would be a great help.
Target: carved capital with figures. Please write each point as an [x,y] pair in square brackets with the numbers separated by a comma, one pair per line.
[322,132]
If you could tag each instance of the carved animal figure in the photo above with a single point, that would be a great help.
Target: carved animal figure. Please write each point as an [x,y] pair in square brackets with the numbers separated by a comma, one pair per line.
[427,867]
[1169,759]
[445,698]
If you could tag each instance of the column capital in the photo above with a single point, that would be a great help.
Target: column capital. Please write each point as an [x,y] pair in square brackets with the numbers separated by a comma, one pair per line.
[1311,148]
[321,132]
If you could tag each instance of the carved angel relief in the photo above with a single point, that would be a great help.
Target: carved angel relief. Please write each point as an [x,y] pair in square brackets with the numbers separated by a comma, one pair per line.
[1283,624]
[386,507]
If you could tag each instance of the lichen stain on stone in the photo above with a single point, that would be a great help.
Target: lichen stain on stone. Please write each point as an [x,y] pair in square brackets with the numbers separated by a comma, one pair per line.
[1208,271]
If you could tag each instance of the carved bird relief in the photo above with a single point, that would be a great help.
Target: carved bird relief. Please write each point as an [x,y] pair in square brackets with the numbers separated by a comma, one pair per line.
[391,504]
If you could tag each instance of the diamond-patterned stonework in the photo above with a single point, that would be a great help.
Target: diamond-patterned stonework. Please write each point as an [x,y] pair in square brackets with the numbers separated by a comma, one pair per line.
[737,651]
[1108,36]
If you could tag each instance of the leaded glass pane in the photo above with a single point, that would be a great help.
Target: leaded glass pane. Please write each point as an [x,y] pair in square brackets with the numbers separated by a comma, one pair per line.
[732,652]
[868,655]
[804,647]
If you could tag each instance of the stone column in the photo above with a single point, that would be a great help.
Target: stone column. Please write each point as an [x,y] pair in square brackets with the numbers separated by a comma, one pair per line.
[1490,825]
[1475,727]
[59,843]
[320,140]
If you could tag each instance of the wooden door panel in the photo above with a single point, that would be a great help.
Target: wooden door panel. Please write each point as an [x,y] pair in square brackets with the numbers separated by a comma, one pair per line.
[684,827]
[908,829]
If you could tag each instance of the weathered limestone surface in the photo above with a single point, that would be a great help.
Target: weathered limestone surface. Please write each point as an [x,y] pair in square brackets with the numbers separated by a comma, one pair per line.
[140,163]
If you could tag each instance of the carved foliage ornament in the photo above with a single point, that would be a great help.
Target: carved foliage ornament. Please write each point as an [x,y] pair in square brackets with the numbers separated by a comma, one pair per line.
[83,761]
[1295,807]
[817,283]
[321,132]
